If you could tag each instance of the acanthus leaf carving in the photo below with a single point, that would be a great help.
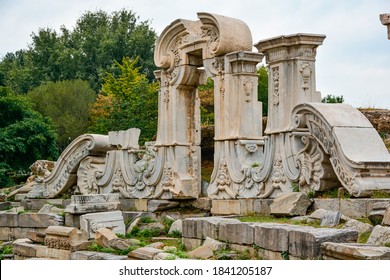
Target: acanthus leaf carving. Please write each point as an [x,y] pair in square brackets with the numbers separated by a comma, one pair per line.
[275,84]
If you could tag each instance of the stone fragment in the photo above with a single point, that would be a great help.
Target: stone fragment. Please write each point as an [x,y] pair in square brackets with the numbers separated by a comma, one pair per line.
[36,236]
[380,236]
[133,224]
[191,243]
[360,227]
[193,228]
[48,208]
[302,219]
[52,253]
[177,226]
[290,204]
[59,237]
[159,205]
[23,240]
[331,219]
[35,220]
[119,244]
[305,242]
[25,249]
[214,244]
[203,252]
[237,233]
[103,237]
[17,232]
[165,256]
[85,255]
[354,251]
[378,211]
[94,221]
[386,217]
[157,245]
[82,204]
[72,220]
[9,220]
[144,253]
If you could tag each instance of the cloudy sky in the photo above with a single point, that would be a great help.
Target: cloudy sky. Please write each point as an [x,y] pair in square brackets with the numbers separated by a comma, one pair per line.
[354,60]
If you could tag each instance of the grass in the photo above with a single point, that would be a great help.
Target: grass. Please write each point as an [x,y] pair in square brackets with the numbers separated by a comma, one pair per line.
[380,194]
[264,219]
[97,248]
[178,252]
[175,233]
[146,220]
[5,250]
[363,237]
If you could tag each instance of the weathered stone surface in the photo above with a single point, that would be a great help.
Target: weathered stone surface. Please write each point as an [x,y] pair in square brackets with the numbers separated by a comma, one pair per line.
[157,245]
[159,205]
[354,208]
[14,209]
[85,255]
[152,226]
[386,217]
[119,244]
[23,232]
[290,204]
[331,219]
[25,249]
[134,204]
[354,251]
[358,226]
[36,204]
[305,242]
[72,220]
[103,236]
[203,203]
[236,207]
[81,204]
[191,243]
[193,228]
[378,211]
[36,236]
[64,238]
[214,244]
[51,209]
[40,220]
[331,204]
[272,236]
[269,255]
[380,236]
[133,225]
[4,205]
[52,253]
[144,253]
[236,232]
[5,234]
[165,256]
[22,240]
[212,226]
[203,252]
[244,248]
[201,228]
[9,220]
[93,221]
[177,226]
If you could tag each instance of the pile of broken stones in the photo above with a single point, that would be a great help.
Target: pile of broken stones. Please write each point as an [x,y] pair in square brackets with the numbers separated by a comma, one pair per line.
[95,228]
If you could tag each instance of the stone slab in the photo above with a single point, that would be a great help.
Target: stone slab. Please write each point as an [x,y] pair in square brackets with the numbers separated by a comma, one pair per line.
[36,204]
[331,219]
[202,252]
[193,228]
[354,251]
[36,236]
[25,249]
[72,220]
[23,232]
[234,207]
[82,204]
[214,244]
[85,255]
[52,253]
[358,226]
[331,204]
[160,205]
[237,233]
[165,256]
[305,242]
[5,205]
[380,236]
[94,221]
[48,208]
[386,217]
[134,204]
[5,233]
[144,253]
[177,226]
[191,243]
[354,208]
[290,204]
[200,228]
[103,236]
[9,220]
[64,238]
[269,255]
[31,220]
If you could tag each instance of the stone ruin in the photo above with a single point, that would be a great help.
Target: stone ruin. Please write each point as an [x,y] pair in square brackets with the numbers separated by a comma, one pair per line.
[308,144]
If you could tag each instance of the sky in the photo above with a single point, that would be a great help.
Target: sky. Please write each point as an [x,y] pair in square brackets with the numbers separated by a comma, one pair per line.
[354,60]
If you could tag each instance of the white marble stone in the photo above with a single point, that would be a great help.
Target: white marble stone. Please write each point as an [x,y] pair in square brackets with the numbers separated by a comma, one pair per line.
[112,220]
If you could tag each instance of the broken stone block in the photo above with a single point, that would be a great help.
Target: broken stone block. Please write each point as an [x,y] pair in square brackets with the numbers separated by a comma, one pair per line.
[203,252]
[35,220]
[305,242]
[157,245]
[63,238]
[331,219]
[191,243]
[52,253]
[165,256]
[82,204]
[119,244]
[9,220]
[380,236]
[144,253]
[236,232]
[112,220]
[85,255]
[25,249]
[177,226]
[103,237]
[360,227]
[72,220]
[378,212]
[214,244]
[36,237]
[354,251]
[386,217]
[290,204]
[159,205]
[152,226]
[133,224]
[193,228]
[50,209]
[212,226]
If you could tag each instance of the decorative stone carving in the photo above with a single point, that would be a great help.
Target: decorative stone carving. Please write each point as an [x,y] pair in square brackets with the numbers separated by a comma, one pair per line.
[278,177]
[275,84]
[305,70]
[81,204]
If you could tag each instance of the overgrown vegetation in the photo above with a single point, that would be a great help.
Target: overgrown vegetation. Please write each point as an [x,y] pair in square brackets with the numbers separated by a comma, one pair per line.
[5,250]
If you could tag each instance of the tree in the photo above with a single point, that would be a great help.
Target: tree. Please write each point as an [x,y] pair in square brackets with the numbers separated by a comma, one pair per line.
[127,100]
[86,52]
[25,136]
[67,104]
[262,88]
[332,99]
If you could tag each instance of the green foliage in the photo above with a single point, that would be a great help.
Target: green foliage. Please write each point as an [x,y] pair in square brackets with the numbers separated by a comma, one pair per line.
[363,237]
[285,255]
[262,88]
[86,52]
[167,224]
[175,233]
[131,102]
[25,136]
[146,220]
[177,252]
[66,103]
[380,194]
[332,99]
[5,250]
[264,219]
[97,248]
[206,95]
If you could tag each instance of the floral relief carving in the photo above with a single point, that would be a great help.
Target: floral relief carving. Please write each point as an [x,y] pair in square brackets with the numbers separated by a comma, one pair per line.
[305,70]
[275,84]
